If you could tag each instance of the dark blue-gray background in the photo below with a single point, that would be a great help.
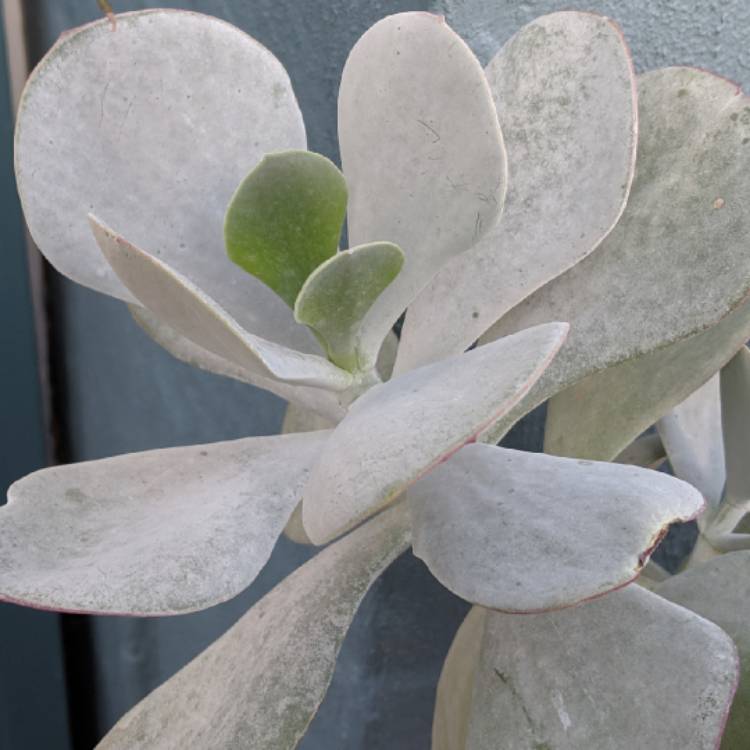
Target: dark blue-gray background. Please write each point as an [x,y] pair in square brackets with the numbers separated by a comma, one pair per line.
[115,391]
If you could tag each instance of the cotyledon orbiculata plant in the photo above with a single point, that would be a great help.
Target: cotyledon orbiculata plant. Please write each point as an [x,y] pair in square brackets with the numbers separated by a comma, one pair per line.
[588,226]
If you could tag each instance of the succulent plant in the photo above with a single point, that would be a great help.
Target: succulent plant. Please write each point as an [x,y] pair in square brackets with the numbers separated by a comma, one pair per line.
[161,160]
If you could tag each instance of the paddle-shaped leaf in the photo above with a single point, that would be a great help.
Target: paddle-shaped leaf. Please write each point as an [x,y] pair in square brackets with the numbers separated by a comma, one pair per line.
[338,294]
[719,590]
[156,533]
[629,670]
[297,419]
[318,400]
[421,150]
[177,302]
[600,415]
[285,219]
[526,532]
[646,451]
[735,414]
[261,683]
[564,89]
[399,430]
[691,434]
[450,724]
[153,127]
[677,262]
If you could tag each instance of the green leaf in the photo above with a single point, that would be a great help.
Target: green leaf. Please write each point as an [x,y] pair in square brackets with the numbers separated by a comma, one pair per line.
[338,294]
[285,219]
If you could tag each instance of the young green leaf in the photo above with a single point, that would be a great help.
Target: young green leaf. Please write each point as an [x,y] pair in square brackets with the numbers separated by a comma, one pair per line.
[339,292]
[285,219]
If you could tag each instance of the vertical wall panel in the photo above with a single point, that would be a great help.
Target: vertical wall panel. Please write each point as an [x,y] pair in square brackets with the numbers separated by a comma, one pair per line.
[32,686]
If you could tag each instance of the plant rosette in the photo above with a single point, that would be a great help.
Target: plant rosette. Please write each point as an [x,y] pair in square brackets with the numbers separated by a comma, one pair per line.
[161,160]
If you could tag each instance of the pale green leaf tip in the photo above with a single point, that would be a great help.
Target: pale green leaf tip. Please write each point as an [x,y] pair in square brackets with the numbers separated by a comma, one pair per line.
[338,294]
[285,219]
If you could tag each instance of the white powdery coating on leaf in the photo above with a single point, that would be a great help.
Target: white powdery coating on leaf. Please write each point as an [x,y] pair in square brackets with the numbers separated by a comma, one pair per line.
[318,400]
[526,532]
[719,590]
[261,683]
[675,264]
[564,89]
[735,413]
[450,723]
[629,670]
[152,127]
[421,150]
[399,430]
[604,412]
[693,440]
[175,300]
[161,532]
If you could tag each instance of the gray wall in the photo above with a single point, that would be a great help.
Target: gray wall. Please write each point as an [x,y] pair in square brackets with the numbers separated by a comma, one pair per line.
[32,685]
[119,392]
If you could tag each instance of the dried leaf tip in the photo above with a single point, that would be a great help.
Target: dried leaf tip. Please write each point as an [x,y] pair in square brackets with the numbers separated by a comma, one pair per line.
[106,8]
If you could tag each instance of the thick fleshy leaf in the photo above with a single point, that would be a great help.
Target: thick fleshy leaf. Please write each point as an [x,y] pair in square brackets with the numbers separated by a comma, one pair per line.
[298,419]
[261,683]
[601,414]
[720,525]
[285,219]
[152,127]
[526,532]
[450,723]
[421,150]
[647,451]
[339,293]
[396,432]
[719,590]
[317,400]
[184,307]
[692,436]
[735,413]
[156,533]
[629,670]
[564,89]
[677,261]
